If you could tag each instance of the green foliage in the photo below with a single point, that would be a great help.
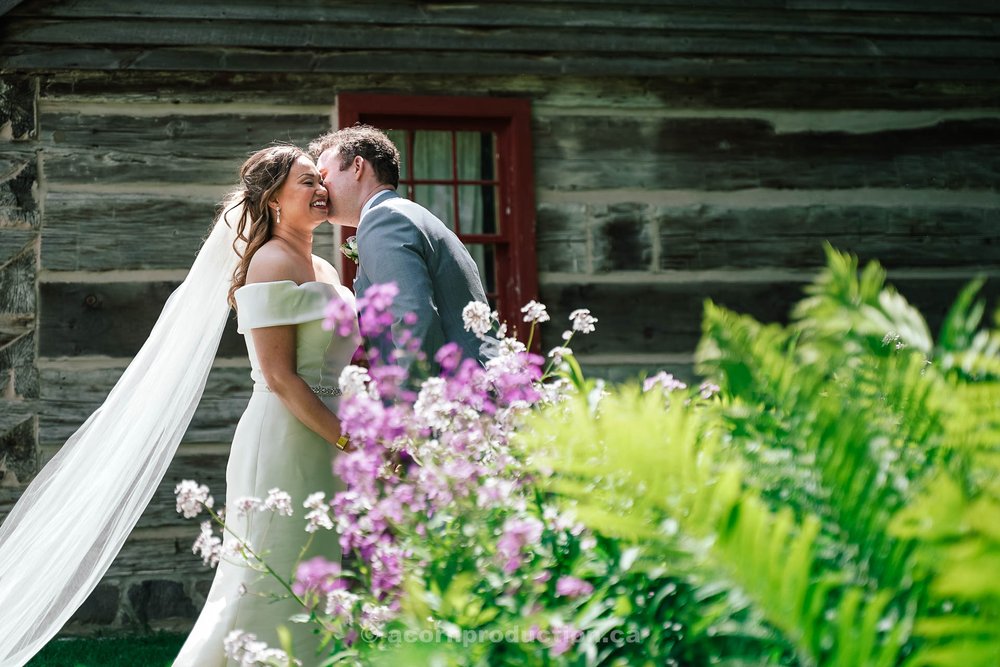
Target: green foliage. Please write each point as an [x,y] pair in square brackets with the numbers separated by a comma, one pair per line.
[838,503]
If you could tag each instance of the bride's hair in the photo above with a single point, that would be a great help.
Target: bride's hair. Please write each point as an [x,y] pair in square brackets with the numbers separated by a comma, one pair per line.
[260,177]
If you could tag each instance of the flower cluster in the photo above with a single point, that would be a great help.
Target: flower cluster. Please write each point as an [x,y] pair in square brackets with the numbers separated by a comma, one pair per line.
[436,491]
[434,454]
[247,651]
[192,498]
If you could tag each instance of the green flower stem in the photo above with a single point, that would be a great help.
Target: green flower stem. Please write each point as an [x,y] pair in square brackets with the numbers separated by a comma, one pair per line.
[260,560]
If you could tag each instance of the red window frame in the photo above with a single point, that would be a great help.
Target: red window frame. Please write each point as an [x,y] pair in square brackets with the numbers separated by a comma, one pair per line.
[510,119]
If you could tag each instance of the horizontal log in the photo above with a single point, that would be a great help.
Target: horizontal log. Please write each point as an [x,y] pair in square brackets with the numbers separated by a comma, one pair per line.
[208,136]
[658,16]
[106,232]
[28,58]
[82,166]
[131,232]
[111,319]
[633,372]
[582,152]
[548,93]
[903,237]
[666,318]
[561,239]
[897,6]
[166,557]
[704,237]
[639,40]
[69,395]
[161,511]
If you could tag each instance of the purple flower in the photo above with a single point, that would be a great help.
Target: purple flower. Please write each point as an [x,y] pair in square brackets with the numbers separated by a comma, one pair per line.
[449,357]
[571,587]
[317,576]
[374,309]
[389,380]
[379,296]
[517,534]
[387,571]
[340,318]
[564,636]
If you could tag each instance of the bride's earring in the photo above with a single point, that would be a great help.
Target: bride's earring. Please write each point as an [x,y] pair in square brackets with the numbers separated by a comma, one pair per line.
[277,212]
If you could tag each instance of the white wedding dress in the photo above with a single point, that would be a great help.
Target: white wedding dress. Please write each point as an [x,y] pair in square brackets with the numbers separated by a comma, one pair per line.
[273,449]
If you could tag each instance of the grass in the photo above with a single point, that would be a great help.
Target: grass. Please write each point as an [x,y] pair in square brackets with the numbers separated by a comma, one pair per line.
[116,651]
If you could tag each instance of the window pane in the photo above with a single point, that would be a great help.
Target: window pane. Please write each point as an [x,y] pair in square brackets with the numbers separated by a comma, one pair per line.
[438,200]
[477,209]
[399,138]
[431,155]
[476,155]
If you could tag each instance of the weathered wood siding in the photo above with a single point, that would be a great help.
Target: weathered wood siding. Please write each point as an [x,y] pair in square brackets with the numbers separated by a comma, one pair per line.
[683,151]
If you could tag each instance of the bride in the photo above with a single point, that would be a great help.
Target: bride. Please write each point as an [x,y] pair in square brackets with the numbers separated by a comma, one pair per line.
[72,520]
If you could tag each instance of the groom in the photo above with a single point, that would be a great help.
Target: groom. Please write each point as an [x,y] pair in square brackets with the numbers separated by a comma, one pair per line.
[399,241]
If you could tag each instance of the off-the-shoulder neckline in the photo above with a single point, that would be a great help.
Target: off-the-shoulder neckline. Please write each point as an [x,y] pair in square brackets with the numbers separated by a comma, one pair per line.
[294,284]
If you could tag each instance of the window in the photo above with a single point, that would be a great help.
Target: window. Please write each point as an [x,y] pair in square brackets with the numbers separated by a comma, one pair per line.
[467,160]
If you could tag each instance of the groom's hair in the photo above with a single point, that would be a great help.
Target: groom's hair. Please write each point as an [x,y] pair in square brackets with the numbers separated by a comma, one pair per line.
[370,143]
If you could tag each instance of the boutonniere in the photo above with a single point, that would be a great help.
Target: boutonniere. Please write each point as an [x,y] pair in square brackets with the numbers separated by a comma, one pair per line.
[350,248]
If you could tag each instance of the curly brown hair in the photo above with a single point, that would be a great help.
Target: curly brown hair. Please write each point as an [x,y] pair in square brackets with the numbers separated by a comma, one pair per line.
[370,143]
[260,177]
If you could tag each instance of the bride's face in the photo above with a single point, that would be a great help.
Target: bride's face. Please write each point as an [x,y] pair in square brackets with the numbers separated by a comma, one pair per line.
[303,197]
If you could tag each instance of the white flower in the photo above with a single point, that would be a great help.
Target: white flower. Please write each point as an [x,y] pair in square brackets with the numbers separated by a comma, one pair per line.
[535,312]
[374,618]
[319,517]
[208,546]
[341,603]
[354,381]
[582,320]
[245,649]
[708,389]
[595,396]
[315,501]
[665,380]
[557,353]
[556,391]
[278,501]
[192,498]
[247,504]
[431,408]
[510,347]
[477,317]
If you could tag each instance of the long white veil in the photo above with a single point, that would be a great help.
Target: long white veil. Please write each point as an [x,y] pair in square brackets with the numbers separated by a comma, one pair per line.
[73,518]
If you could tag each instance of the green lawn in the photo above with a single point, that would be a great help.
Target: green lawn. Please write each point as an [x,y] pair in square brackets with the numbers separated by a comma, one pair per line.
[119,651]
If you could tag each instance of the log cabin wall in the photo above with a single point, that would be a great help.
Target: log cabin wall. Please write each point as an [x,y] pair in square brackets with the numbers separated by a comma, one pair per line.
[683,150]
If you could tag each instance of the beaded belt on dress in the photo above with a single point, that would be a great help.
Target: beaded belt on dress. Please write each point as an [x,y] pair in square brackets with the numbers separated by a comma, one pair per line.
[316,389]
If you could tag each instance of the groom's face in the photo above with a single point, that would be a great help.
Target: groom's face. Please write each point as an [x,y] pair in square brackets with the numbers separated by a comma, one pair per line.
[338,183]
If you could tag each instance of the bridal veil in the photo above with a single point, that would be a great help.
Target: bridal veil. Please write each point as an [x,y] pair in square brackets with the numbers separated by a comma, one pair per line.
[72,520]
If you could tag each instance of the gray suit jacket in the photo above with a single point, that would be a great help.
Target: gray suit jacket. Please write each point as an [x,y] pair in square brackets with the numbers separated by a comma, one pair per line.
[400,241]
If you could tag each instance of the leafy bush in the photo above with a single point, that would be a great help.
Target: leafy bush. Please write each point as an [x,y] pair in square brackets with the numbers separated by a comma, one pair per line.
[840,498]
